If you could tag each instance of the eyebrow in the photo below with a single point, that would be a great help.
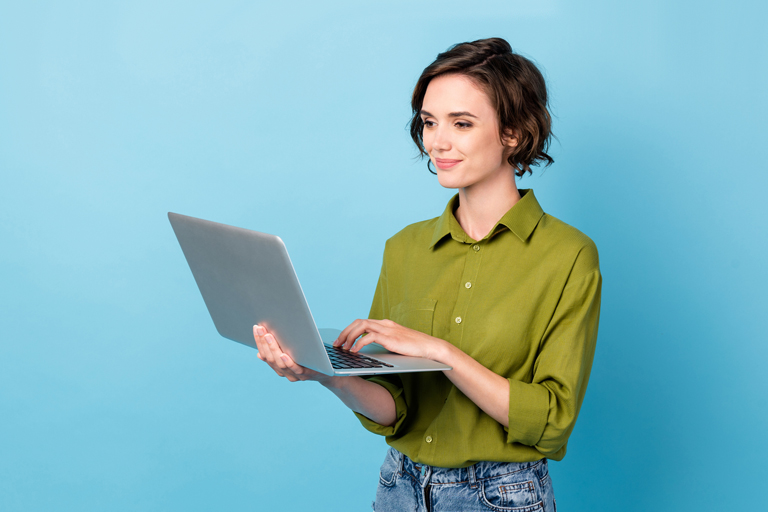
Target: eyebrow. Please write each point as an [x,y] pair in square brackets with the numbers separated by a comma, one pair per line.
[452,114]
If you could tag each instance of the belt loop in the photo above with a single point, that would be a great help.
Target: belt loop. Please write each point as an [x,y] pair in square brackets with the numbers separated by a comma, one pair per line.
[472,477]
[426,475]
[401,465]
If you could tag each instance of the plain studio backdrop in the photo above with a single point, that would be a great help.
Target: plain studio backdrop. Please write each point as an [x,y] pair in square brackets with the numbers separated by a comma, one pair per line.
[116,392]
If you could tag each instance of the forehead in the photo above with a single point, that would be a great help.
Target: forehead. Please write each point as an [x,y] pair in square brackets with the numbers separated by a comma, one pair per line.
[456,93]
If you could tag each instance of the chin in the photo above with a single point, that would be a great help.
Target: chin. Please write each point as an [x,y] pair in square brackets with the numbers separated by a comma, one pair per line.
[448,181]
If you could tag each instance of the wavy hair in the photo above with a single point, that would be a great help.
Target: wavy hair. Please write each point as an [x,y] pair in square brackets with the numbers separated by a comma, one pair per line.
[514,85]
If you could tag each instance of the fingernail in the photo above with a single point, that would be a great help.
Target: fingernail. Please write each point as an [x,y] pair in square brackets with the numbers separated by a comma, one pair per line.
[269,339]
[284,357]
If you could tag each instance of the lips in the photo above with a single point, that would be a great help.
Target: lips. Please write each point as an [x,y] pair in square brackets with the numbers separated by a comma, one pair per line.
[446,163]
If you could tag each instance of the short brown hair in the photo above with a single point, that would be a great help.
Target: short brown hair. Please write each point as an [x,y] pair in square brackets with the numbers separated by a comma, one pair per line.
[514,85]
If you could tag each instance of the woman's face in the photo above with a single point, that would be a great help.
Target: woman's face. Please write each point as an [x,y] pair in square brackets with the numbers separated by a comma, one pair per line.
[461,133]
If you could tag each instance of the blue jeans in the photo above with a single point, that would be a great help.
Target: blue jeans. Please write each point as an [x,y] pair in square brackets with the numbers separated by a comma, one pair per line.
[498,486]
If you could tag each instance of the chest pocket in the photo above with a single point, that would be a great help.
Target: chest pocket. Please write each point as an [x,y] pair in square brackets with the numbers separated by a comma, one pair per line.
[416,314]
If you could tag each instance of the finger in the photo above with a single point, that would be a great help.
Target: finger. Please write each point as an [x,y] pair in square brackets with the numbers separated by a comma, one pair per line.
[351,344]
[274,348]
[367,340]
[266,350]
[289,374]
[256,335]
[259,343]
[271,349]
[259,331]
[364,328]
[345,333]
[342,335]
[291,365]
[265,353]
[354,331]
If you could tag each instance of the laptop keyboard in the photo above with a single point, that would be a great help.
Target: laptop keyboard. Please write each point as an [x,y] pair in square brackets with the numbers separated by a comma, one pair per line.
[342,359]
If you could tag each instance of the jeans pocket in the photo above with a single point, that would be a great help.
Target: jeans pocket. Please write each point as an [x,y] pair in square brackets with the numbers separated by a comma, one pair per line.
[390,468]
[511,493]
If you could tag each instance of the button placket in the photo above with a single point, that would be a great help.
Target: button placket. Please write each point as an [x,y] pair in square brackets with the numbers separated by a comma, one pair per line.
[466,289]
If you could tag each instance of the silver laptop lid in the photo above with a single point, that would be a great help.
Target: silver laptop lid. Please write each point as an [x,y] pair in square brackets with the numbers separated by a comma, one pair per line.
[247,278]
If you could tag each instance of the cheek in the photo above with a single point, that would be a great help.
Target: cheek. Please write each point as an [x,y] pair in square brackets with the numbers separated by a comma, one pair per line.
[490,149]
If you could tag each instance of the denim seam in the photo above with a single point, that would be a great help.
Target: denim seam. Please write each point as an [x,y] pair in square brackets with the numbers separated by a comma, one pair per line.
[511,472]
[527,485]
[395,475]
[451,483]
[536,507]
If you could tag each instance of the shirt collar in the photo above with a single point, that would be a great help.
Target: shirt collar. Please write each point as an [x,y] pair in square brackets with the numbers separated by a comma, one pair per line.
[521,220]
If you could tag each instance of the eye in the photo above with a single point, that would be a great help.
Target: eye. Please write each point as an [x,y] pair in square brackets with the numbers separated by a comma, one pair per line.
[427,123]
[463,124]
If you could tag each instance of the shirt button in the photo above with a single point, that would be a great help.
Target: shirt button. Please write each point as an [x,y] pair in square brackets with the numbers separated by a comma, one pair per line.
[429,439]
[458,319]
[467,285]
[476,247]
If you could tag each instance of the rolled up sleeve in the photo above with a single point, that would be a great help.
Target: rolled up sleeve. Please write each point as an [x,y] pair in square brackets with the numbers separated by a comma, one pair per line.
[542,413]
[392,384]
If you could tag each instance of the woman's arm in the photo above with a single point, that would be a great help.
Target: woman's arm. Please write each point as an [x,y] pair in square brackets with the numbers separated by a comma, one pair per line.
[489,391]
[540,413]
[366,398]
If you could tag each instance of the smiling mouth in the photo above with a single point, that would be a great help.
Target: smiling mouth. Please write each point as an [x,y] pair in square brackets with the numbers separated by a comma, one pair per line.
[445,163]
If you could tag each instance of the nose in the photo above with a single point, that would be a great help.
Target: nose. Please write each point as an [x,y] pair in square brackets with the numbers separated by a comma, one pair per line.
[440,139]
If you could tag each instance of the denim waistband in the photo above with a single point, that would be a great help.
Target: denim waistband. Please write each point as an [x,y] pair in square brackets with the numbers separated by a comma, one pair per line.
[433,475]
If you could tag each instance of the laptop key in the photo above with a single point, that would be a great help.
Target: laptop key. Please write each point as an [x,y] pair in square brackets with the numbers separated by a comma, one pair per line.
[341,358]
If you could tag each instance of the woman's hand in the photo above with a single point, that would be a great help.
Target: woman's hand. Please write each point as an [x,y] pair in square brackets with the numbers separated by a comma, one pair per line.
[367,398]
[392,336]
[279,361]
[485,388]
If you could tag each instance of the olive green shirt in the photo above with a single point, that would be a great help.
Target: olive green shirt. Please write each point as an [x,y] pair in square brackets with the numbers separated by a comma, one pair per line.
[524,302]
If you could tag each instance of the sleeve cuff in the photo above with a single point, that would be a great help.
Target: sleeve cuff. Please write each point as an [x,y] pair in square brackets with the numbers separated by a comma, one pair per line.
[528,412]
[400,410]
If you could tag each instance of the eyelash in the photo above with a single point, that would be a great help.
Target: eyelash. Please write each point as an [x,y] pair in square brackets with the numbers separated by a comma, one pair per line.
[460,124]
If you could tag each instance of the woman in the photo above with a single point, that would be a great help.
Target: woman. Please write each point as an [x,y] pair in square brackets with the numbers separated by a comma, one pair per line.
[505,294]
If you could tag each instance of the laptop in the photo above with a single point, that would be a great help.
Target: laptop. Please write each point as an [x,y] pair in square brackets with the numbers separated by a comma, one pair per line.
[247,278]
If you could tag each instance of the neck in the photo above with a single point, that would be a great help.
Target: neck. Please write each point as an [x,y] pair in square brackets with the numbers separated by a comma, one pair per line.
[482,205]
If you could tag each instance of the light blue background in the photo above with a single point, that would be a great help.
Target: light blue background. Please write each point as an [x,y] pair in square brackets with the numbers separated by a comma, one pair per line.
[116,393]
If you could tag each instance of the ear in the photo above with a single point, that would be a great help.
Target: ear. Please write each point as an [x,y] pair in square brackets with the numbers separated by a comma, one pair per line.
[511,138]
